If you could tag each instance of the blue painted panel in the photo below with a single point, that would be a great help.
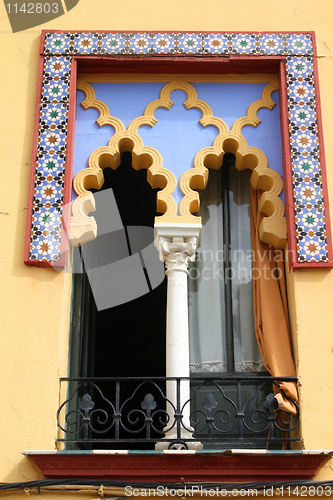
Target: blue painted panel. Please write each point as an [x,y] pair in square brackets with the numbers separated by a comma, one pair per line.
[177,135]
[229,101]
[126,101]
[267,135]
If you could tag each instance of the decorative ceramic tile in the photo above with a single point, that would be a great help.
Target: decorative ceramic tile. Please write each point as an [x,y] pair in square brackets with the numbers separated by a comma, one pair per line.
[50,168]
[312,250]
[50,164]
[58,43]
[86,43]
[45,234]
[183,43]
[53,116]
[284,44]
[304,144]
[52,139]
[306,165]
[56,79]
[130,43]
[57,66]
[310,224]
[176,43]
[230,43]
[163,43]
[47,208]
[215,43]
[112,44]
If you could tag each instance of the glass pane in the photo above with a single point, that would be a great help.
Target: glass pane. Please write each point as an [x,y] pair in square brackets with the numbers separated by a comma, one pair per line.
[247,355]
[206,285]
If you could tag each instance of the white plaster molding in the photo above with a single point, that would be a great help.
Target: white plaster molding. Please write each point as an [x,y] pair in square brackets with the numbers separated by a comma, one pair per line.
[177,252]
[177,244]
[83,227]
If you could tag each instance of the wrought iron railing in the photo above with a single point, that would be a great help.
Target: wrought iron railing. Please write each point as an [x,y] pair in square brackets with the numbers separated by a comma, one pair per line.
[231,411]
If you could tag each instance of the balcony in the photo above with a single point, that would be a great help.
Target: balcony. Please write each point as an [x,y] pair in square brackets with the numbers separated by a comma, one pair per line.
[120,430]
[224,412]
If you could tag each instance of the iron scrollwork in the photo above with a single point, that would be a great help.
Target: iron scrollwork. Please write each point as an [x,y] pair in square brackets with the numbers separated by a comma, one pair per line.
[229,411]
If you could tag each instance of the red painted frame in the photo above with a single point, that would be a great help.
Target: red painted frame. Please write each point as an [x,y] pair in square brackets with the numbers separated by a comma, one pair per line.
[33,162]
[225,466]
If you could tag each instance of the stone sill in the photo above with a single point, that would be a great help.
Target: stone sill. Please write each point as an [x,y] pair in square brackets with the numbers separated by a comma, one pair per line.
[180,465]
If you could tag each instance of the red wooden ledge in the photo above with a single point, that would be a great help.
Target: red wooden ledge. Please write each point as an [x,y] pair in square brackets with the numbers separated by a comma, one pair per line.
[177,467]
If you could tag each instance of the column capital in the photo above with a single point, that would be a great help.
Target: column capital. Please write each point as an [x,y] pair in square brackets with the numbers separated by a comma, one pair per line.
[177,244]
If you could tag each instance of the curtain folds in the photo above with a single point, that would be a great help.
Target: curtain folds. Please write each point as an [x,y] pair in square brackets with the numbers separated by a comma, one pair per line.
[207,308]
[206,286]
[260,320]
[271,312]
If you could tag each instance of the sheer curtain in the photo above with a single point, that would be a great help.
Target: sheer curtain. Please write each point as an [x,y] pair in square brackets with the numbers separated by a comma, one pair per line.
[207,310]
[246,350]
[206,286]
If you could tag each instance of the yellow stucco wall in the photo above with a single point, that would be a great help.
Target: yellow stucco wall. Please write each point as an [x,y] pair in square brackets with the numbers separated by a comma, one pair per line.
[35,302]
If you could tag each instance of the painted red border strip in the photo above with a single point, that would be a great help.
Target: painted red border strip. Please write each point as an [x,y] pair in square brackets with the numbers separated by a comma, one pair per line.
[322,155]
[180,468]
[212,64]
[33,170]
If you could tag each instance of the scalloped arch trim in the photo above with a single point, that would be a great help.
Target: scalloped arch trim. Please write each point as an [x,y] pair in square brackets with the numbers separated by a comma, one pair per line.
[273,227]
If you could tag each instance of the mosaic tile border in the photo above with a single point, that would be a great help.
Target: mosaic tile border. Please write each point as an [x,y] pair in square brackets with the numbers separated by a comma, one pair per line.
[94,43]
[51,150]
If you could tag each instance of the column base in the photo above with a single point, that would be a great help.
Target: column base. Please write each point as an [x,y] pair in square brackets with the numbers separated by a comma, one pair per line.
[178,445]
[191,445]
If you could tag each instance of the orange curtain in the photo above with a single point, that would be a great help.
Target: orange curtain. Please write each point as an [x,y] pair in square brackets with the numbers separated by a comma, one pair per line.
[271,312]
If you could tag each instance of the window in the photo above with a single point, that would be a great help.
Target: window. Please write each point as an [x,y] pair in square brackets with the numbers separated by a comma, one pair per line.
[289,54]
[125,341]
[220,280]
[116,346]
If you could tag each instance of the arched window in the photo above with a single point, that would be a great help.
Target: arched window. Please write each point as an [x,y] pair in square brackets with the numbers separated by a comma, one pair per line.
[127,338]
[222,333]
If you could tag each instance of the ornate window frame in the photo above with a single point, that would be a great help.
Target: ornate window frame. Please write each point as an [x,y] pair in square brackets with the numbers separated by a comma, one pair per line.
[292,55]
[272,229]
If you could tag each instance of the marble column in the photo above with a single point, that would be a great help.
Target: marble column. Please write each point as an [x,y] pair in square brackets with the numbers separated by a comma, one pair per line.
[177,244]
